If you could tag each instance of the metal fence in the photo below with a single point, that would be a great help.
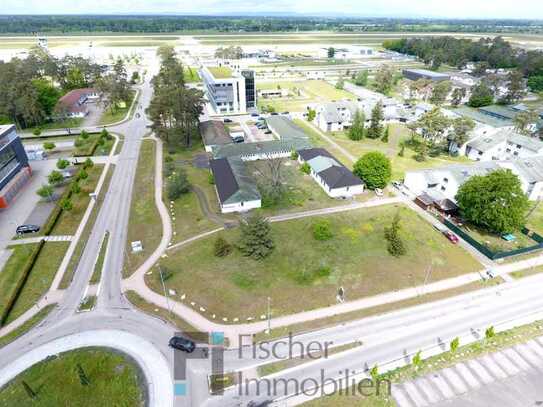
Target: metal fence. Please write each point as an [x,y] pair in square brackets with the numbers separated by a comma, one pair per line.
[498,255]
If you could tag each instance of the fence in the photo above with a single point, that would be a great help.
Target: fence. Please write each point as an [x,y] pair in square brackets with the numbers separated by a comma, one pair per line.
[498,255]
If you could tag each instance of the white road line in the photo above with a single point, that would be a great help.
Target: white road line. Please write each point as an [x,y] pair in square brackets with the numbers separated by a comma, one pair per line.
[516,359]
[535,347]
[468,377]
[427,388]
[415,394]
[454,380]
[442,385]
[402,399]
[480,371]
[529,355]
[491,366]
[507,366]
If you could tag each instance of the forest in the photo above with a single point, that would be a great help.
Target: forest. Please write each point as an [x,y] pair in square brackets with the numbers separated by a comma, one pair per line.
[59,24]
[487,53]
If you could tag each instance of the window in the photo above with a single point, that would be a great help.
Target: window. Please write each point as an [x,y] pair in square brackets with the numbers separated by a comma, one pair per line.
[445,179]
[443,188]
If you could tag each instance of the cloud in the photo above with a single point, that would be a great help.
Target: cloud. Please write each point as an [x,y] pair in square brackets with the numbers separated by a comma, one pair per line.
[531,9]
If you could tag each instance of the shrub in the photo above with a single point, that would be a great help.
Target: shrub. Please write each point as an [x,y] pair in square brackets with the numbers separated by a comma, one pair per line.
[49,145]
[88,163]
[322,231]
[66,204]
[454,344]
[211,179]
[37,131]
[294,155]
[222,248]
[82,174]
[166,273]
[76,189]
[178,184]
[374,169]
[55,177]
[305,168]
[169,168]
[255,240]
[395,244]
[84,135]
[62,164]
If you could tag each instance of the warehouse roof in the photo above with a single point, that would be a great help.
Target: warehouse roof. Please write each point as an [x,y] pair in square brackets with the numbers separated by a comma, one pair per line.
[214,133]
[285,128]
[233,182]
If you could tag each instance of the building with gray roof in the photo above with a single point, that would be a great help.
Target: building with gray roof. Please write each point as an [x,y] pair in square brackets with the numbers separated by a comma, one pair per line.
[416,74]
[505,144]
[336,116]
[214,133]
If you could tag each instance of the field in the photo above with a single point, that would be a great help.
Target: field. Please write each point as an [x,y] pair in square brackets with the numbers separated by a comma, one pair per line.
[114,381]
[302,94]
[303,273]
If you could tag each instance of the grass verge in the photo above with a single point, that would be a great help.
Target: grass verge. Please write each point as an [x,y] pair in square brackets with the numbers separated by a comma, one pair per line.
[95,278]
[27,326]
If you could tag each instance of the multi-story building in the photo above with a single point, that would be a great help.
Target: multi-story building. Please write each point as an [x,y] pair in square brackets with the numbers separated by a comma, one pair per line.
[229,91]
[14,168]
[503,145]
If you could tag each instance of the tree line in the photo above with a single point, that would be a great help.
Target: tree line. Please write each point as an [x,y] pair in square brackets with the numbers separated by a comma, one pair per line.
[487,53]
[174,109]
[32,87]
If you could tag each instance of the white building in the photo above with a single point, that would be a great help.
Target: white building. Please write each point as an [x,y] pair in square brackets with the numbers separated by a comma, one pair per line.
[348,52]
[335,116]
[229,91]
[333,177]
[444,182]
[505,144]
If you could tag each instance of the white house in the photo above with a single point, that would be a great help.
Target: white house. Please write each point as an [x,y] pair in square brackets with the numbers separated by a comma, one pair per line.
[333,177]
[444,182]
[335,116]
[505,144]
[348,52]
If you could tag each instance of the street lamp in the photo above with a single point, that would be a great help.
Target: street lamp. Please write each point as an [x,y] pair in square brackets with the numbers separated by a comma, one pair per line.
[268,330]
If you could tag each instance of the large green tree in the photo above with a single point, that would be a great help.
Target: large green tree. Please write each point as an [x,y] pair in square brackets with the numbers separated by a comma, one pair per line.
[255,239]
[481,95]
[374,169]
[440,92]
[495,201]
[356,132]
[375,130]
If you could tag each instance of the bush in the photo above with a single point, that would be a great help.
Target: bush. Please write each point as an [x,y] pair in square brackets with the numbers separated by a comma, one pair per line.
[222,248]
[55,177]
[169,168]
[395,244]
[305,168]
[178,184]
[88,163]
[62,164]
[322,230]
[84,135]
[77,143]
[76,189]
[66,204]
[255,240]
[37,131]
[82,175]
[166,273]
[294,155]
[49,146]
[211,179]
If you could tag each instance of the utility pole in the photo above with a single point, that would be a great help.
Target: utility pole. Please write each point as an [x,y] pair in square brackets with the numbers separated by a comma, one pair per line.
[428,271]
[164,288]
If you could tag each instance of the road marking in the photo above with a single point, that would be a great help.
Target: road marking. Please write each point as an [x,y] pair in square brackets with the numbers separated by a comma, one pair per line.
[468,377]
[507,366]
[414,394]
[534,346]
[402,399]
[454,380]
[480,371]
[494,369]
[442,385]
[516,359]
[426,387]
[529,355]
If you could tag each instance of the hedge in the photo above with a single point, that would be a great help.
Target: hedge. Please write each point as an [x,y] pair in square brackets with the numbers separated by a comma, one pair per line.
[89,151]
[29,265]
[57,210]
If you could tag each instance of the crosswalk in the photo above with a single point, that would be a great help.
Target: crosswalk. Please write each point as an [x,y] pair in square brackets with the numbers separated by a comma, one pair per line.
[465,377]
[58,238]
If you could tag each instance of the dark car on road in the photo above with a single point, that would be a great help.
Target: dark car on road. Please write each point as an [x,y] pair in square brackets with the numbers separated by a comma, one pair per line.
[228,120]
[182,344]
[27,229]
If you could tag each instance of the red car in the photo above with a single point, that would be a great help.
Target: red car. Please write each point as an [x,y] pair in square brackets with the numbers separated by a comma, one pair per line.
[451,236]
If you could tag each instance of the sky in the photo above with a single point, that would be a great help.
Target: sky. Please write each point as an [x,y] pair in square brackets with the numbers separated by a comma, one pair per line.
[516,9]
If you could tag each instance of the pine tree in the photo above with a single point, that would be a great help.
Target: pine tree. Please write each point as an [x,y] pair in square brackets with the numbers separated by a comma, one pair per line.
[255,240]
[395,244]
[384,139]
[356,132]
[83,379]
[222,247]
[375,130]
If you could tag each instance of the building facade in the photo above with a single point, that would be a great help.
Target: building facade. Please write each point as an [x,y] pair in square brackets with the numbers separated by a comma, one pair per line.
[14,168]
[229,91]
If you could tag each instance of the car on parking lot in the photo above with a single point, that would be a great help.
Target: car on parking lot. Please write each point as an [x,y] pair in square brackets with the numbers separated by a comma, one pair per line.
[285,113]
[22,229]
[227,120]
[396,184]
[182,344]
[254,115]
[268,132]
[378,191]
[261,126]
[451,236]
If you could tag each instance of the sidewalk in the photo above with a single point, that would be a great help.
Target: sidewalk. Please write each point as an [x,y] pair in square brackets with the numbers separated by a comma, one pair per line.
[37,239]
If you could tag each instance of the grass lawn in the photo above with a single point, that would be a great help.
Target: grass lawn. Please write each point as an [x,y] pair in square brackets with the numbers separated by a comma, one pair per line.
[502,340]
[303,94]
[190,220]
[60,124]
[495,242]
[303,273]
[190,74]
[97,273]
[113,116]
[220,72]
[88,303]
[114,381]
[400,165]
[69,221]
[9,275]
[84,148]
[40,278]
[301,190]
[144,223]
[27,326]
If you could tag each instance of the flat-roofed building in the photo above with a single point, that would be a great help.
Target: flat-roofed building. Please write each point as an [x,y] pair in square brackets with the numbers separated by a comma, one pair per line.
[214,133]
[14,168]
[229,91]
[503,145]
[416,74]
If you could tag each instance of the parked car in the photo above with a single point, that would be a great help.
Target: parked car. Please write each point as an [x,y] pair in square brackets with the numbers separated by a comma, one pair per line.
[182,344]
[254,115]
[22,229]
[451,236]
[396,184]
[264,403]
[490,273]
[274,114]
[285,113]
[227,120]
[268,132]
[378,191]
